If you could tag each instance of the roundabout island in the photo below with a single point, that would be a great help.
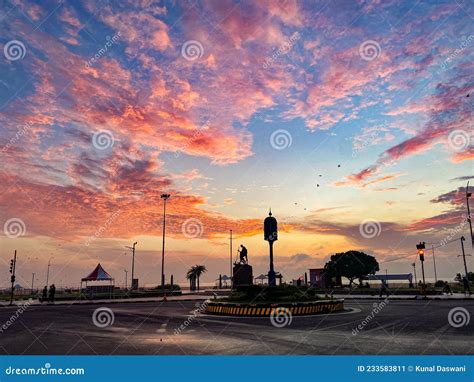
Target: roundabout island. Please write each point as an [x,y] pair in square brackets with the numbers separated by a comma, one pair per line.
[248,300]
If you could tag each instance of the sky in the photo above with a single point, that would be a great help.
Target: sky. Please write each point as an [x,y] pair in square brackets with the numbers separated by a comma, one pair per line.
[352,121]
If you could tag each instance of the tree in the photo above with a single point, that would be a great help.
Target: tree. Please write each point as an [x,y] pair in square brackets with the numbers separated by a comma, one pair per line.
[199,270]
[193,275]
[352,265]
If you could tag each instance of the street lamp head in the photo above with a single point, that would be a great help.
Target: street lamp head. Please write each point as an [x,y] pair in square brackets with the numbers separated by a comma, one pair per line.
[165,196]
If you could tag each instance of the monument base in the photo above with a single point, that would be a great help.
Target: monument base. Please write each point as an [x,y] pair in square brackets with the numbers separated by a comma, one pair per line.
[242,275]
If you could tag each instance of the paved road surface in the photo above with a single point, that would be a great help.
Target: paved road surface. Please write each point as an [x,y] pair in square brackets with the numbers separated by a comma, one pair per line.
[401,327]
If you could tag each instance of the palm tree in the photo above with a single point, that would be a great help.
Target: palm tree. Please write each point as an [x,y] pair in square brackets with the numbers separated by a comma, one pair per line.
[191,276]
[198,271]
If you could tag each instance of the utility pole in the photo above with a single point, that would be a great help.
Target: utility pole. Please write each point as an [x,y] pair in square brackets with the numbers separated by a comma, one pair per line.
[32,281]
[468,195]
[464,256]
[434,263]
[165,197]
[414,271]
[133,260]
[231,256]
[126,273]
[12,271]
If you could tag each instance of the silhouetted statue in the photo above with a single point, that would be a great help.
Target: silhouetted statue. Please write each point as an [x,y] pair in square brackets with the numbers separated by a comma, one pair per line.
[243,255]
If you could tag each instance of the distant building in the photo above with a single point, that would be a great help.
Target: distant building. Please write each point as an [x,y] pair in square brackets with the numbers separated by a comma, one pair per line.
[318,279]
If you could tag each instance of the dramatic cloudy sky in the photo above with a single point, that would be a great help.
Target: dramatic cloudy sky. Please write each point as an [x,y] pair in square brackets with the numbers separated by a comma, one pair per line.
[351,120]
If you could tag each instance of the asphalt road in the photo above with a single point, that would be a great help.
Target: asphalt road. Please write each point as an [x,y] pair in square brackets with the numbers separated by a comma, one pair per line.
[401,327]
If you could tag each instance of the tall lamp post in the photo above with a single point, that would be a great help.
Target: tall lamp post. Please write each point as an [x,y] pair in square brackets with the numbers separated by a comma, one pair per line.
[133,261]
[271,235]
[47,273]
[165,197]
[468,195]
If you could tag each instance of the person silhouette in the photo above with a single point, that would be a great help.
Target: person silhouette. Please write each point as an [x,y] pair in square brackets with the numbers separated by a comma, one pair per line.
[243,255]
[45,294]
[52,292]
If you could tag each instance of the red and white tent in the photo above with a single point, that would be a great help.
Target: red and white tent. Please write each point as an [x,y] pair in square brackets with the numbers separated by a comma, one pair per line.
[98,274]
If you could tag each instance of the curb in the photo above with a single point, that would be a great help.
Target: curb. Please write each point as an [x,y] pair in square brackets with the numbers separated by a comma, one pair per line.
[266,310]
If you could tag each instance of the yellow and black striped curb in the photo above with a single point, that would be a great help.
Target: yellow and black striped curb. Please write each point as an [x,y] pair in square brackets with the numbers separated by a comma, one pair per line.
[265,310]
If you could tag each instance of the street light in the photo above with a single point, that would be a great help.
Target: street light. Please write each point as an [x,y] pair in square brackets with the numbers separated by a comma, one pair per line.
[468,195]
[133,260]
[165,197]
[47,273]
[126,272]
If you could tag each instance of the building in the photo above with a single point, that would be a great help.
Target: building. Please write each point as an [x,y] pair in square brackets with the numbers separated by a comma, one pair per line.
[318,279]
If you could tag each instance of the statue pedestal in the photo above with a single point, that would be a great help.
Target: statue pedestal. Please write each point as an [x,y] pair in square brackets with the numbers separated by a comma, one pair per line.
[242,275]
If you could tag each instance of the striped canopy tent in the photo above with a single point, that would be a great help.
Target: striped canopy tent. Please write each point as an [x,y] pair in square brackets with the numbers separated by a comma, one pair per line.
[98,274]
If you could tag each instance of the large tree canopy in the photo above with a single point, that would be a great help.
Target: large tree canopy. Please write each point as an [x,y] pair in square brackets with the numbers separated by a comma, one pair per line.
[352,265]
